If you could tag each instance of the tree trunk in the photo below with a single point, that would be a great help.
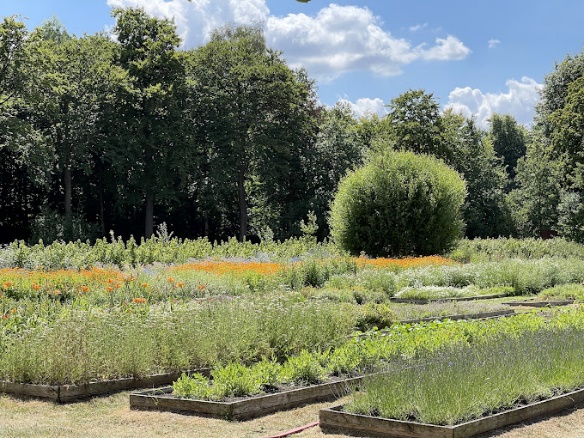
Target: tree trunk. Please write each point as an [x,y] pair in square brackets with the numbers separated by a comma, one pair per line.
[149,221]
[68,181]
[242,196]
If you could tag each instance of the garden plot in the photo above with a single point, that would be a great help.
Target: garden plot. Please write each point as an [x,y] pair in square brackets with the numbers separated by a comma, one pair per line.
[472,388]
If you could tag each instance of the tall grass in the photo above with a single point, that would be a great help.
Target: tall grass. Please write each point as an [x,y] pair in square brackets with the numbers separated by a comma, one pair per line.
[138,340]
[482,250]
[465,382]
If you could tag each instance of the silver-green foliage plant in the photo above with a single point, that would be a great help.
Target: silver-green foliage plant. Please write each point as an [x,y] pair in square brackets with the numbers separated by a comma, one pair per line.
[465,382]
[398,204]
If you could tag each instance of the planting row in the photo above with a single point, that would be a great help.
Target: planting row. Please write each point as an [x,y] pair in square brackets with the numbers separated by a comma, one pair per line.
[403,344]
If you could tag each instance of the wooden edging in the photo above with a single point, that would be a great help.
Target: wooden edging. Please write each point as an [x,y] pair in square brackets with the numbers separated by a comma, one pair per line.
[335,420]
[245,408]
[483,315]
[534,303]
[71,393]
[433,300]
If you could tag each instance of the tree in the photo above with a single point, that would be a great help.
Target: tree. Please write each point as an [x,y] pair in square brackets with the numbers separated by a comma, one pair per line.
[398,204]
[253,118]
[486,212]
[414,124]
[338,148]
[508,140]
[146,146]
[539,178]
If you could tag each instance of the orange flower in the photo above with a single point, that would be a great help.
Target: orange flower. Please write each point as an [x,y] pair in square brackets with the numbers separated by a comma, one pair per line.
[171,280]
[117,285]
[180,284]
[144,285]
[85,288]
[109,289]
[139,300]
[201,287]
[36,286]
[7,285]
[109,281]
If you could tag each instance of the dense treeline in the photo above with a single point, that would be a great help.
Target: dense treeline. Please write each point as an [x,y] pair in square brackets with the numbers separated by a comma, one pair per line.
[126,133]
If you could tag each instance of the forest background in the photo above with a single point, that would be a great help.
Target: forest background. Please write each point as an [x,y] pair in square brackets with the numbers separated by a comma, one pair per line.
[128,133]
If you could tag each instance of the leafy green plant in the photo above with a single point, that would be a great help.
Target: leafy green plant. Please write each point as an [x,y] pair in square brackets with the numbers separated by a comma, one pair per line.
[398,204]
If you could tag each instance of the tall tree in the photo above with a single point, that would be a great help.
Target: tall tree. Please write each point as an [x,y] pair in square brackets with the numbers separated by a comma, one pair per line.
[253,113]
[147,147]
[486,211]
[508,140]
[414,124]
[534,203]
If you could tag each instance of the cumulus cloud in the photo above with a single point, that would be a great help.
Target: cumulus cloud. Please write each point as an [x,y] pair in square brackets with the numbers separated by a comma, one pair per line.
[366,106]
[337,40]
[519,101]
[493,43]
[195,20]
[340,39]
[446,49]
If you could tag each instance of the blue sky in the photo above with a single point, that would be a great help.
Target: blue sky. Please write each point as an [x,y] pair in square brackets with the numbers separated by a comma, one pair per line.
[477,57]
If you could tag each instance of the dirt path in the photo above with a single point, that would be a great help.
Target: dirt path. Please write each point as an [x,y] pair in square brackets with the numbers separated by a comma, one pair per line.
[111,417]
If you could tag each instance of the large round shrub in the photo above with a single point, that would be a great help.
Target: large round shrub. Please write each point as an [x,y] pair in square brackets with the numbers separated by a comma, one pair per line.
[398,204]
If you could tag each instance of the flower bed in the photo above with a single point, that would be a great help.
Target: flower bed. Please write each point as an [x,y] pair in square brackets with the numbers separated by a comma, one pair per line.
[245,407]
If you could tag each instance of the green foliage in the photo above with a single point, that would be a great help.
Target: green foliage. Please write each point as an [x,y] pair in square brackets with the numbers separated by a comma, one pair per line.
[398,204]
[481,250]
[509,141]
[466,382]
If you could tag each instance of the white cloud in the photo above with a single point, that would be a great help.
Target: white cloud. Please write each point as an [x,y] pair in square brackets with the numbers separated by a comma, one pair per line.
[366,106]
[418,27]
[493,43]
[196,20]
[446,49]
[519,101]
[339,39]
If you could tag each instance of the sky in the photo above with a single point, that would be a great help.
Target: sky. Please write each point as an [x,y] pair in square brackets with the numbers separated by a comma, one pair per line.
[478,57]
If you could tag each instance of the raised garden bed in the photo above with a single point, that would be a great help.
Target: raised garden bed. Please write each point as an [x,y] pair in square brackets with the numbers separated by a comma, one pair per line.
[538,303]
[71,393]
[426,301]
[334,420]
[244,408]
[483,315]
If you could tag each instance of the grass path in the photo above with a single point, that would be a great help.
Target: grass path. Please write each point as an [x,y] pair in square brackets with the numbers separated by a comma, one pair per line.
[111,417]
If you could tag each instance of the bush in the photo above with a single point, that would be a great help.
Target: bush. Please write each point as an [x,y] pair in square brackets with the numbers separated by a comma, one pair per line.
[398,204]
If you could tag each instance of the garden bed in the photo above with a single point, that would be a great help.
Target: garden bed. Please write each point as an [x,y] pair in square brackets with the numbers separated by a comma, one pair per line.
[72,393]
[427,301]
[540,303]
[243,408]
[335,420]
[484,315]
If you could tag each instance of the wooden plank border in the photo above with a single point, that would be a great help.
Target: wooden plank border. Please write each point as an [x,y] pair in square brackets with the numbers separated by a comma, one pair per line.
[433,300]
[534,303]
[245,408]
[335,420]
[72,393]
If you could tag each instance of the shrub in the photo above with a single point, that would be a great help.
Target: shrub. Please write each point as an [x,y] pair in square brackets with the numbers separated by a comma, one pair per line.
[398,204]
